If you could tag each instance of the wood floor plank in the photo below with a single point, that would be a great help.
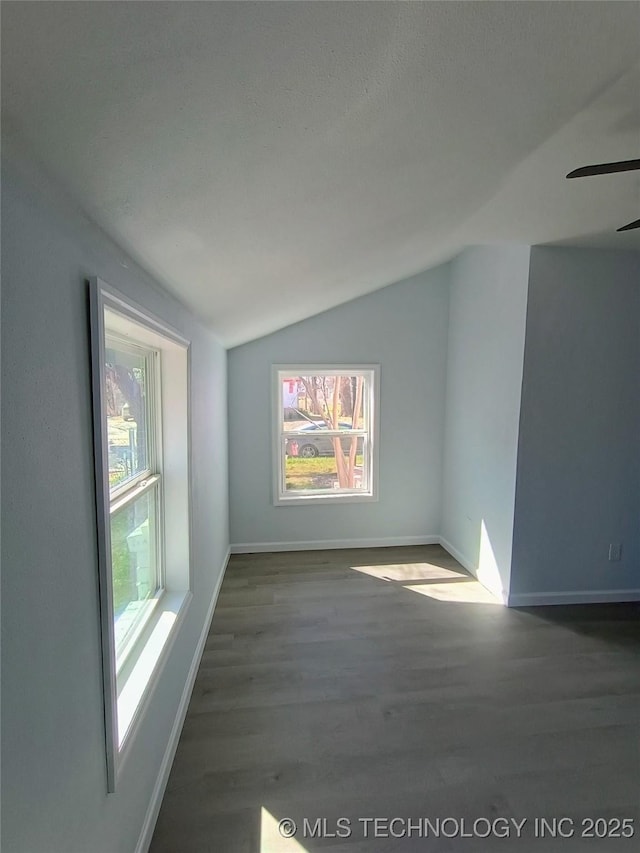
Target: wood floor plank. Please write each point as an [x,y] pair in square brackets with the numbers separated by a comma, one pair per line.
[350,683]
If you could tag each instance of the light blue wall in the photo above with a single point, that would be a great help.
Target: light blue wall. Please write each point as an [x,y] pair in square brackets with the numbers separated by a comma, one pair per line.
[488,304]
[53,752]
[404,329]
[578,471]
[579,456]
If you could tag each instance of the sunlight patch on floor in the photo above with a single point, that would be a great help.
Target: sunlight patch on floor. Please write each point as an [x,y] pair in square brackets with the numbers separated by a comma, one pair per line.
[408,572]
[468,592]
[273,835]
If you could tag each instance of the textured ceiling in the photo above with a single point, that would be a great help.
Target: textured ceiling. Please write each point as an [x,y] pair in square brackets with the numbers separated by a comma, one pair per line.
[268,160]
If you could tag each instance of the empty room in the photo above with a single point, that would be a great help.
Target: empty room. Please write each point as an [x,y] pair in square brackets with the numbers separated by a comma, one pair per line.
[320,427]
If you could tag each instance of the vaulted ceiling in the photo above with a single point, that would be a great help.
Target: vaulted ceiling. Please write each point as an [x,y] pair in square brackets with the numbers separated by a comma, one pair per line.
[266,161]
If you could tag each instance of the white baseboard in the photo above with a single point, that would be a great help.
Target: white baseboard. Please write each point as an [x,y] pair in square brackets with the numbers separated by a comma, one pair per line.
[464,561]
[534,599]
[332,544]
[471,567]
[598,596]
[146,834]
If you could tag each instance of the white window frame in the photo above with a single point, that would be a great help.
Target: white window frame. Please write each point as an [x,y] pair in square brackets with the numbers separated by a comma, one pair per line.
[130,676]
[283,498]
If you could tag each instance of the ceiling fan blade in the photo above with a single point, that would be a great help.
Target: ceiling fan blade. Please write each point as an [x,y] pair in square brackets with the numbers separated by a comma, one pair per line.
[605,168]
[630,226]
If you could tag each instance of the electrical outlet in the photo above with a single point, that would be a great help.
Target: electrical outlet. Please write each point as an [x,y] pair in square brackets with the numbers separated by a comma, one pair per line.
[615,552]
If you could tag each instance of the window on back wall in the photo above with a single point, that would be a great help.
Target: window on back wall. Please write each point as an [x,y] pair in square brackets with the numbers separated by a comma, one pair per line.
[140,391]
[325,433]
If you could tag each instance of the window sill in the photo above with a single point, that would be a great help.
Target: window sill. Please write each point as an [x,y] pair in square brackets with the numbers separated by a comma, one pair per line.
[327,499]
[147,659]
[130,627]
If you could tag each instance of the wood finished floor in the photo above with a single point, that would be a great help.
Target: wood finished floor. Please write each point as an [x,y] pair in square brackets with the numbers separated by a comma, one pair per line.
[330,690]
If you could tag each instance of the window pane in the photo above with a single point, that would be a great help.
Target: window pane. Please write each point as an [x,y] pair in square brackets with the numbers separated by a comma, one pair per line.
[312,465]
[325,429]
[133,561]
[318,402]
[126,395]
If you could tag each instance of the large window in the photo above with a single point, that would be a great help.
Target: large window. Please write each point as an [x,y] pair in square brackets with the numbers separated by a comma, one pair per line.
[325,433]
[140,392]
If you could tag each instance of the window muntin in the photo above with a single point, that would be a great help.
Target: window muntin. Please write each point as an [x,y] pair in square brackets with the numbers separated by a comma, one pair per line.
[325,433]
